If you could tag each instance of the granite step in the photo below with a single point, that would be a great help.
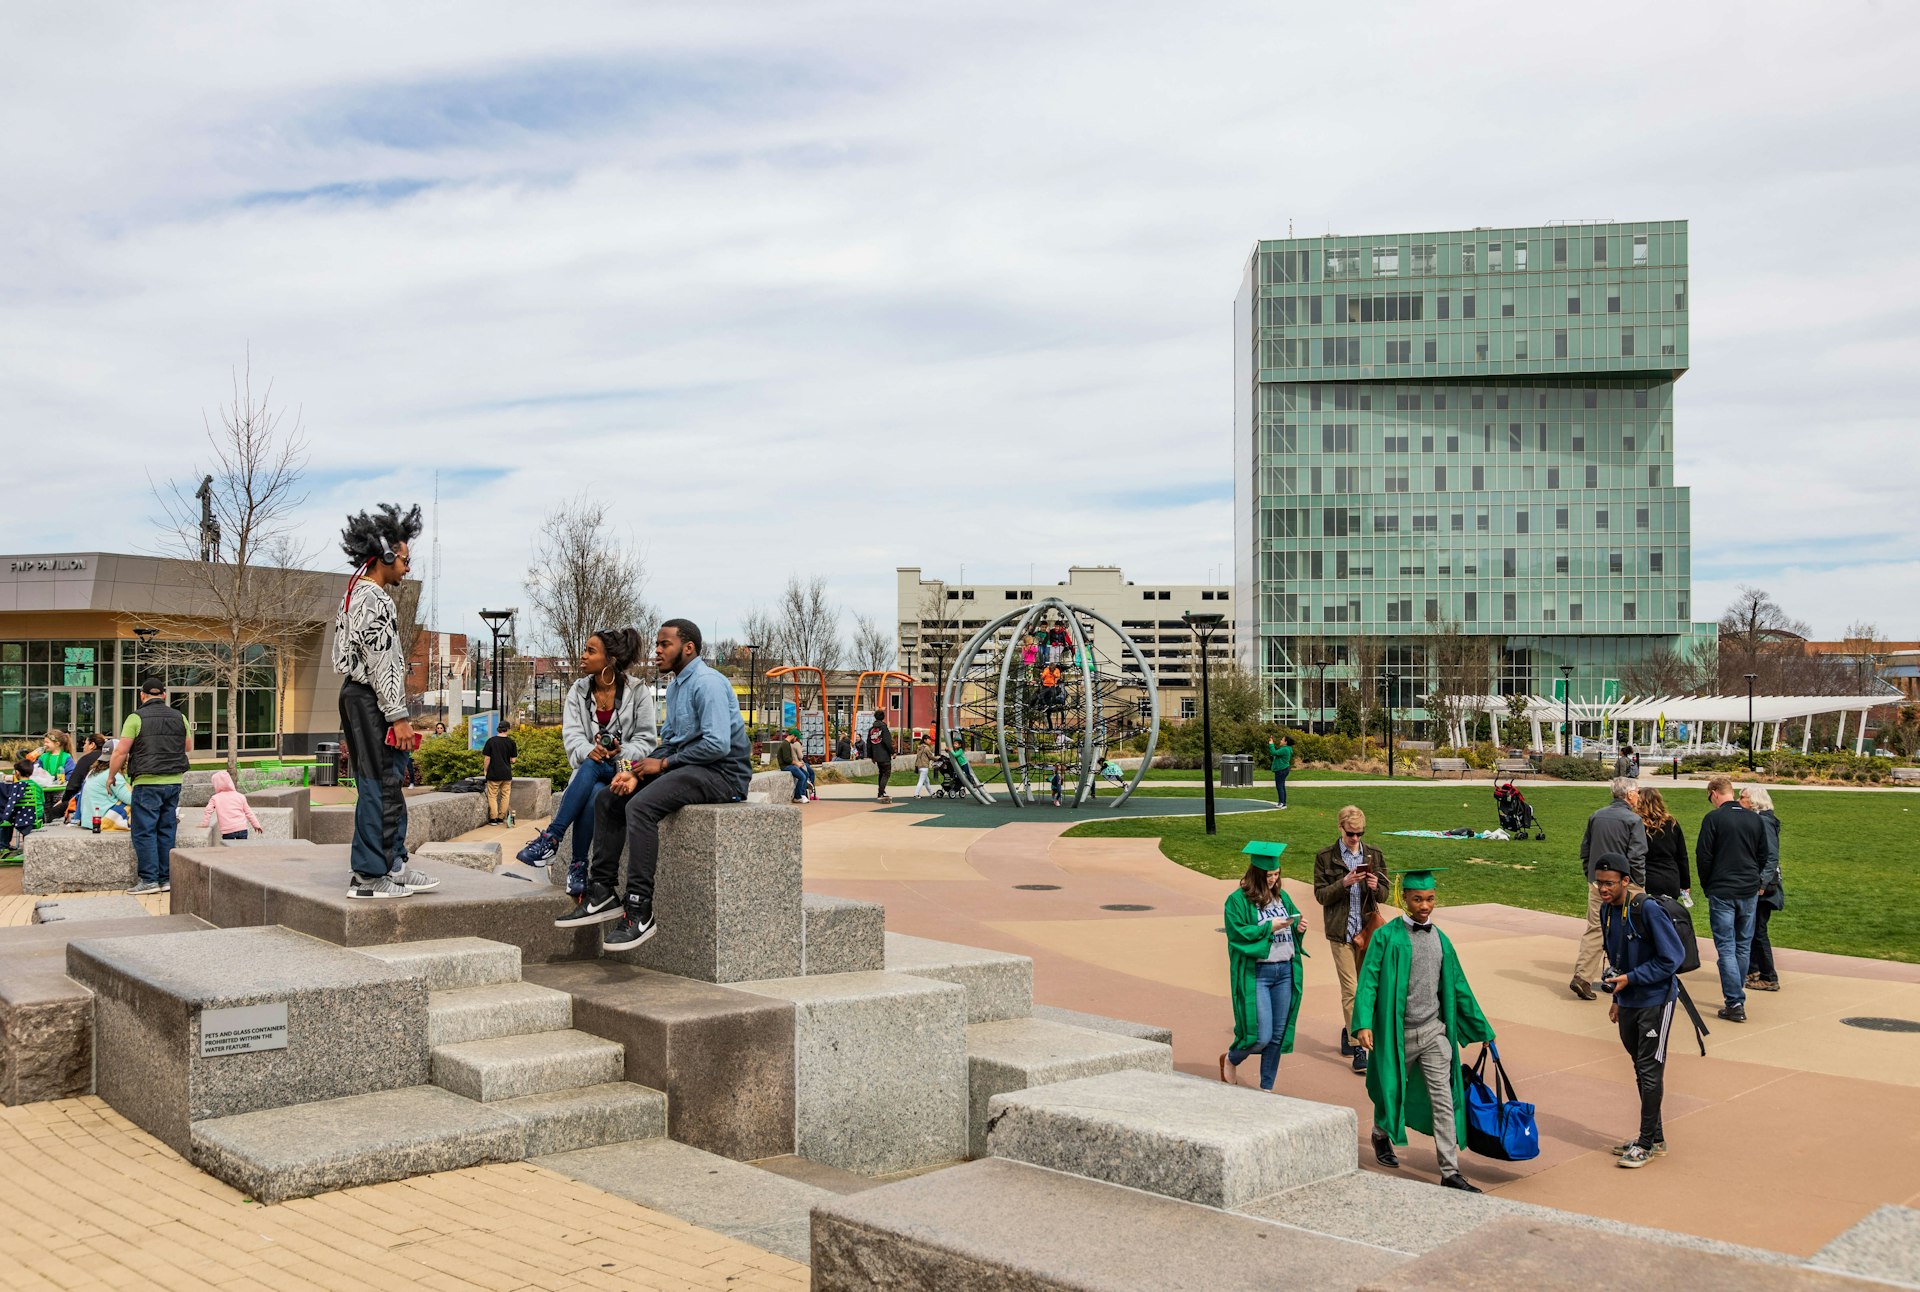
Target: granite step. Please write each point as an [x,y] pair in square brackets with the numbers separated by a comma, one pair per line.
[497,1009]
[510,1067]
[1018,1053]
[613,1112]
[998,985]
[449,963]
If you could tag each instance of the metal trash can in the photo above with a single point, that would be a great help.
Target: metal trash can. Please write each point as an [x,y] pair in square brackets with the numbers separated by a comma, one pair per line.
[1236,771]
[326,763]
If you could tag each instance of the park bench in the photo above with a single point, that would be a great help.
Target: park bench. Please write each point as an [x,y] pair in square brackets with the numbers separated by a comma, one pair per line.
[1512,767]
[1910,775]
[1439,765]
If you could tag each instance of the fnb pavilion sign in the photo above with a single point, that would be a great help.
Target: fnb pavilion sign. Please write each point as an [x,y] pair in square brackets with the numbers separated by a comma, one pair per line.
[50,564]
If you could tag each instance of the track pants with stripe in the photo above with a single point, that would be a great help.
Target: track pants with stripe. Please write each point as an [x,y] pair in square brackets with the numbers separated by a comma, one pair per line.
[1644,1033]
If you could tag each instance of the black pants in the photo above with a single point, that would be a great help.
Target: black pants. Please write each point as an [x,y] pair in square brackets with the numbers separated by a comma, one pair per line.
[1760,960]
[379,813]
[632,822]
[1644,1033]
[886,774]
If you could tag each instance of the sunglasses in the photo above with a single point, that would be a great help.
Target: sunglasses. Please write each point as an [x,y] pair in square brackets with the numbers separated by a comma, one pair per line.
[1354,834]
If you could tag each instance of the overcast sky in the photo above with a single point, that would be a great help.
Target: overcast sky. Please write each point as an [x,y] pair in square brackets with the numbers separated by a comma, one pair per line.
[833,288]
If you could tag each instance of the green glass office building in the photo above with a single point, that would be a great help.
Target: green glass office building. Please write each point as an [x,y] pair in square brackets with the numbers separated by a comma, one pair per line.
[1467,433]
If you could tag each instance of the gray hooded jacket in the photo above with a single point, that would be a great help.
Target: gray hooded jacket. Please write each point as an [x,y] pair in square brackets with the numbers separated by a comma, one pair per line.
[633,721]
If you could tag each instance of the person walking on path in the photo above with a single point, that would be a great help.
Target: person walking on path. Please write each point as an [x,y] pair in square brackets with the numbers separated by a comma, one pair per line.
[499,751]
[1667,873]
[229,807]
[152,753]
[1644,954]
[1280,758]
[880,750]
[923,767]
[1263,965]
[1731,858]
[1617,827]
[374,725]
[1349,882]
[702,757]
[1761,974]
[607,717]
[1414,1009]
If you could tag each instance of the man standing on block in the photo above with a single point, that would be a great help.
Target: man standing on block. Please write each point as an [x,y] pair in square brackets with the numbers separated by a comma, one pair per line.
[1414,1010]
[1349,881]
[373,701]
[1617,827]
[499,751]
[1644,956]
[1730,855]
[701,758]
[152,751]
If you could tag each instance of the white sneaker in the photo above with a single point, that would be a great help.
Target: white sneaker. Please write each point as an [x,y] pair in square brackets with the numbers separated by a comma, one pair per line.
[412,880]
[141,890]
[375,888]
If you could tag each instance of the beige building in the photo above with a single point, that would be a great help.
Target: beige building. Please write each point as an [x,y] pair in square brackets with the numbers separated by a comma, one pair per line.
[931,610]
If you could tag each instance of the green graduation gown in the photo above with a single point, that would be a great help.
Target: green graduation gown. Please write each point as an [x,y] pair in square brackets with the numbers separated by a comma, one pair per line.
[1249,939]
[1380,1003]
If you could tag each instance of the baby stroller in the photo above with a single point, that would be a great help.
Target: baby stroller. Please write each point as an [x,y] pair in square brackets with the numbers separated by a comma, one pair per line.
[1516,814]
[950,784]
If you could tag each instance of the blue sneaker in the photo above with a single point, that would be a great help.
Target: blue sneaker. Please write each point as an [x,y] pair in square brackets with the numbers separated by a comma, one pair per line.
[541,851]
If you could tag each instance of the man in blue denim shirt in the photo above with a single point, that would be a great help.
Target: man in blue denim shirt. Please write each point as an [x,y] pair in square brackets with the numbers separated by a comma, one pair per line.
[701,758]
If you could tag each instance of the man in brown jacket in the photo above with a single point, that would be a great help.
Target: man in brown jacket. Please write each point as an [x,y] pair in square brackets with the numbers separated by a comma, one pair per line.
[1349,879]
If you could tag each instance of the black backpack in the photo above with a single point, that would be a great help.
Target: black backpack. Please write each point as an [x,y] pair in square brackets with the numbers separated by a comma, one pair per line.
[1682,924]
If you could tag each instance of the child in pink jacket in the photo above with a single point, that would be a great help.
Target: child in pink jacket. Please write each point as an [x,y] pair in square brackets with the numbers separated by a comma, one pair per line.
[230,807]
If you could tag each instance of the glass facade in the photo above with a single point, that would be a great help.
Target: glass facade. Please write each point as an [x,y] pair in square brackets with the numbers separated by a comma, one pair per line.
[1468,432]
[83,686]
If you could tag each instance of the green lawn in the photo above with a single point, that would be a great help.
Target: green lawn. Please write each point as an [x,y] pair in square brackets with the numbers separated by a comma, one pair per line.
[1845,857]
[1261,776]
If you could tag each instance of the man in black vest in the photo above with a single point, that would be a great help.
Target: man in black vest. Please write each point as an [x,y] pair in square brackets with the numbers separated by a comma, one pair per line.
[152,750]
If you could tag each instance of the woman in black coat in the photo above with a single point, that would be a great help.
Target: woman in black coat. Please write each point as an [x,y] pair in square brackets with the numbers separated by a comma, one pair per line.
[1761,974]
[1667,873]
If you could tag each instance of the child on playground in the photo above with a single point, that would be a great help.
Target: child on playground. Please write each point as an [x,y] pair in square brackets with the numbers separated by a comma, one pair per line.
[230,808]
[1053,783]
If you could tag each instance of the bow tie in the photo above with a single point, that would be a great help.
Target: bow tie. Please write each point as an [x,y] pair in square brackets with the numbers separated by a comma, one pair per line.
[1420,928]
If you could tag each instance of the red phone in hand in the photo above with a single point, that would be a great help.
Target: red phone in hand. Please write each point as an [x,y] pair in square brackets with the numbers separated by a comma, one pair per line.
[412,747]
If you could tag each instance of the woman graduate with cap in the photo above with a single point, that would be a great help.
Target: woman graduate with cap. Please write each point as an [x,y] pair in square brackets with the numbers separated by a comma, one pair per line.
[1263,963]
[1414,1010]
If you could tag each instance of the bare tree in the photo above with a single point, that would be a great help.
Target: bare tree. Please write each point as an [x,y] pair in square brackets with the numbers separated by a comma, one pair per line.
[1758,636]
[584,578]
[806,625]
[1667,671]
[1460,667]
[873,645]
[249,606]
[1234,694]
[1867,651]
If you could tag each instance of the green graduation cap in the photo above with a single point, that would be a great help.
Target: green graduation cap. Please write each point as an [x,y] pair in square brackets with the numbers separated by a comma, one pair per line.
[1417,881]
[1266,856]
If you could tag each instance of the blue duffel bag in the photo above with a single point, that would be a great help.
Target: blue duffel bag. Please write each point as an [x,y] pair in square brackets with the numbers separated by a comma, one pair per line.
[1499,1126]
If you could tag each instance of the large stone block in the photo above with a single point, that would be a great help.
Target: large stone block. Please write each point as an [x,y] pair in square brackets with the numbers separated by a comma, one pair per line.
[880,1073]
[1016,1053]
[277,825]
[998,985]
[1885,1245]
[331,823]
[353,1024]
[1201,1141]
[120,906]
[474,855]
[724,1056]
[770,787]
[843,935]
[997,1224]
[297,799]
[1101,1023]
[432,817]
[46,1018]
[531,797]
[61,859]
[196,789]
[727,894]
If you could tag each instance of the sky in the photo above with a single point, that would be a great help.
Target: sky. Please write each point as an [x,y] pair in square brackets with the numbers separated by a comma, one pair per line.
[831,288]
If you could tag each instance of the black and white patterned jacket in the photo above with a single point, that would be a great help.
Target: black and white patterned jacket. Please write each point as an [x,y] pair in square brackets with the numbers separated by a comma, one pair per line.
[366,647]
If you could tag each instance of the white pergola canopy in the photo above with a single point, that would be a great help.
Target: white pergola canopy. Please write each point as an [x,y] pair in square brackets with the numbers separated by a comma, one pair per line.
[1697,712]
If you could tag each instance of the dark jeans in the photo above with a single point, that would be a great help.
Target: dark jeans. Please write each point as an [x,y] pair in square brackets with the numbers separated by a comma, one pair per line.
[576,813]
[1644,1033]
[155,820]
[802,780]
[886,774]
[1760,959]
[632,822]
[1273,998]
[1731,919]
[379,779]
[1280,786]
[234,834]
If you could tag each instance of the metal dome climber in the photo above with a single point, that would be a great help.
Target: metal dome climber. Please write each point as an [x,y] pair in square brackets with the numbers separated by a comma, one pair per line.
[1038,681]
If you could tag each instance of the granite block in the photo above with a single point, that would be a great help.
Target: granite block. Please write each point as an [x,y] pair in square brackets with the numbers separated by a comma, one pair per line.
[120,906]
[474,855]
[880,1067]
[448,963]
[498,1009]
[842,935]
[508,1067]
[613,1112]
[60,859]
[331,823]
[311,1148]
[727,894]
[723,1056]
[775,786]
[995,1224]
[1884,1245]
[1016,1053]
[531,797]
[196,789]
[435,817]
[723,1196]
[1517,1253]
[1100,1023]
[998,985]
[1200,1141]
[353,1024]
[276,826]
[297,799]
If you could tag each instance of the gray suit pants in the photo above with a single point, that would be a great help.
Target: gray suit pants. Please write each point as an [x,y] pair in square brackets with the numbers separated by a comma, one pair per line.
[1430,1054]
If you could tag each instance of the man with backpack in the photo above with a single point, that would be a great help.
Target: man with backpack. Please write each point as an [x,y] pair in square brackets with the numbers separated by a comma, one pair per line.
[1644,959]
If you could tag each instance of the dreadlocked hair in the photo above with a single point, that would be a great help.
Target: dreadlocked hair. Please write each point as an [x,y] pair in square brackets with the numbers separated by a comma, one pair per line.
[622,646]
[384,528]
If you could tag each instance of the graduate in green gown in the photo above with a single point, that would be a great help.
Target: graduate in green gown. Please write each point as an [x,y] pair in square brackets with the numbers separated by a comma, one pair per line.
[1264,950]
[1414,1010]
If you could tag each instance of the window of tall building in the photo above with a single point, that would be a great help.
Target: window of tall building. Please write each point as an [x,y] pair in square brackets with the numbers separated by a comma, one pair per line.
[1439,478]
[1483,520]
[1513,437]
[1471,605]
[1480,347]
[1426,443]
[1396,443]
[1639,399]
[1467,306]
[1600,251]
[1593,477]
[1559,251]
[1386,260]
[1458,522]
[1559,517]
[1626,443]
[1666,340]
[1613,562]
[1599,520]
[1426,259]
[1479,478]
[1639,248]
[1444,307]
[1506,304]
[1509,606]
[1496,257]
[1453,443]
[1560,565]
[1519,255]
[1560,343]
[1573,300]
[1639,517]
[1519,345]
[1433,352]
[1629,611]
[1575,612]
[1613,299]
[1680,295]
[1467,258]
[1626,342]
[1396,482]
[1653,477]
[1399,352]
[1522,521]
[1656,562]
[1509,562]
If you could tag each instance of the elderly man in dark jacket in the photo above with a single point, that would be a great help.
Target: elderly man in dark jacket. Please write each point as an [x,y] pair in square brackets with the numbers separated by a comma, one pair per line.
[1614,828]
[1730,858]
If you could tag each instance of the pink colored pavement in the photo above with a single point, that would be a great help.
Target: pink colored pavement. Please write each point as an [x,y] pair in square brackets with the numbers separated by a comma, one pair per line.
[1789,1131]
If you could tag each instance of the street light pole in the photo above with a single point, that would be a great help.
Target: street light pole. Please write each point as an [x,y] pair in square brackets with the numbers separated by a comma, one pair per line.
[1750,677]
[1320,700]
[496,619]
[1392,681]
[1566,702]
[939,646]
[1203,627]
[753,709]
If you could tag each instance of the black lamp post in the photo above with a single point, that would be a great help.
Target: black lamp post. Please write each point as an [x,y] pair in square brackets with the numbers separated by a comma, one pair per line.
[1566,702]
[1320,700]
[1750,677]
[753,693]
[1393,680]
[142,636]
[496,621]
[939,646]
[1203,628]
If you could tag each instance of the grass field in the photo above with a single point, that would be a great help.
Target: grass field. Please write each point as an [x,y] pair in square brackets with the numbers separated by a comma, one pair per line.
[903,768]
[1845,857]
